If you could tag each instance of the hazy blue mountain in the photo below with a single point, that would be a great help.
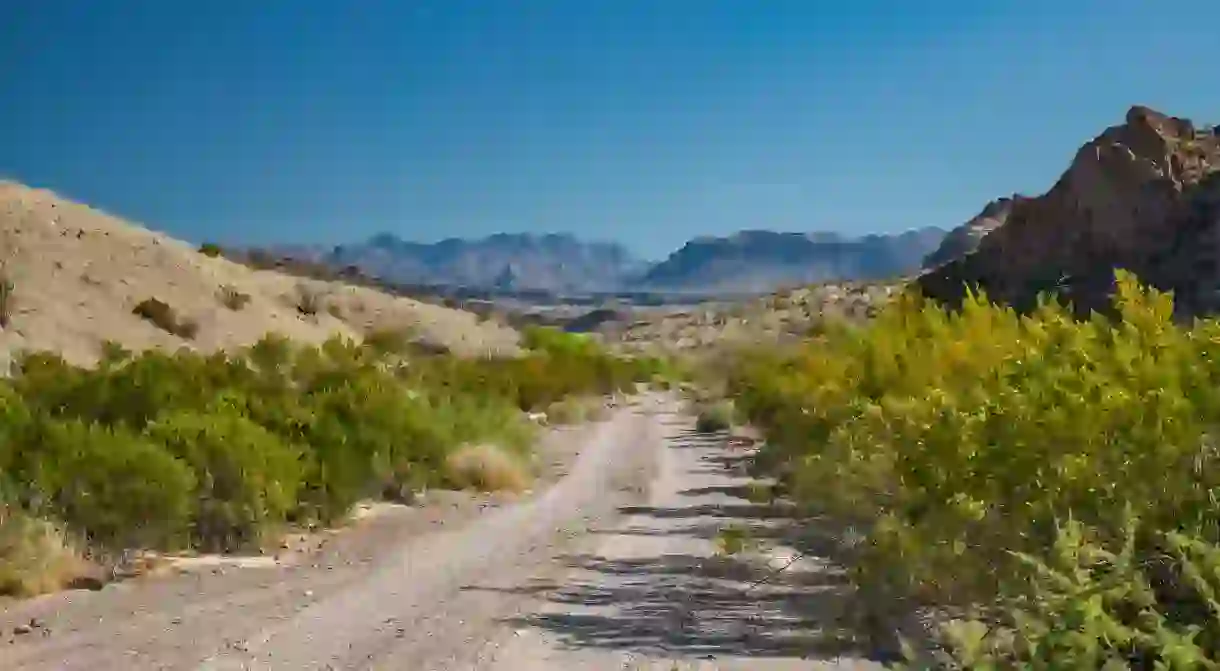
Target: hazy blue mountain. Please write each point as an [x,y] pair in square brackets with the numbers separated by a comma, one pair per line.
[753,260]
[760,260]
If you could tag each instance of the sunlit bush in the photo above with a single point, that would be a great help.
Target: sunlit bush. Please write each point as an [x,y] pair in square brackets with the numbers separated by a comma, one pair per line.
[964,442]
[169,450]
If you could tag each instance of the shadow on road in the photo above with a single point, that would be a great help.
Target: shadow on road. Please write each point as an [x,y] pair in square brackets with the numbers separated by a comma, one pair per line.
[688,605]
[691,604]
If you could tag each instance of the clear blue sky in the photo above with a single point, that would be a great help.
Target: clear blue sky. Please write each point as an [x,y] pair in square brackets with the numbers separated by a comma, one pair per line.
[642,121]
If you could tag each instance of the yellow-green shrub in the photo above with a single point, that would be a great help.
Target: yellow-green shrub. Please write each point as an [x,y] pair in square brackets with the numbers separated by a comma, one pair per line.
[116,487]
[247,477]
[957,440]
[35,555]
[164,449]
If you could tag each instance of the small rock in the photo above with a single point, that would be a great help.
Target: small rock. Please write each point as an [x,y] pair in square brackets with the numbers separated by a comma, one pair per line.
[22,629]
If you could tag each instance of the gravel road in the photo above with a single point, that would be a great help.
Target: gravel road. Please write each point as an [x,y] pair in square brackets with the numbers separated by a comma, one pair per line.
[611,567]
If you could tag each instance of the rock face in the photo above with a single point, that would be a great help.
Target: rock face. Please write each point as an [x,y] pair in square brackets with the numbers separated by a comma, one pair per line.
[1143,196]
[966,238]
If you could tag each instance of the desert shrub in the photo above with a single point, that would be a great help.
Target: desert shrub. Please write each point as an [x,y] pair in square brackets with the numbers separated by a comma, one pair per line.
[568,411]
[387,341]
[113,354]
[993,458]
[247,477]
[6,299]
[485,467]
[714,417]
[16,422]
[131,394]
[557,365]
[162,450]
[308,301]
[35,555]
[116,488]
[210,249]
[162,315]
[366,434]
[232,298]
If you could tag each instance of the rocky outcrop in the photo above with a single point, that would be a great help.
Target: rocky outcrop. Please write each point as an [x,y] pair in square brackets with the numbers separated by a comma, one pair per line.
[966,238]
[1143,196]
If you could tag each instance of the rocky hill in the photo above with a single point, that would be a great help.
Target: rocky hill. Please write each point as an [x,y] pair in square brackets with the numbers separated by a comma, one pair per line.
[75,277]
[965,238]
[1143,195]
[764,260]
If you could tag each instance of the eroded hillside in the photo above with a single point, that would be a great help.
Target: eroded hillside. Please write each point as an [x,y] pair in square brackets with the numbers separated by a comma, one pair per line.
[78,273]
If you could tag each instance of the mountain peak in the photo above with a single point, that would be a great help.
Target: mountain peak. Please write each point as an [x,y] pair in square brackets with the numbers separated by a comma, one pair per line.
[1143,195]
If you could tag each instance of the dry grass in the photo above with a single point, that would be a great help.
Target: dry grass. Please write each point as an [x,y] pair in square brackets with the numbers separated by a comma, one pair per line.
[570,410]
[80,272]
[486,468]
[35,557]
[231,298]
[577,409]
[6,299]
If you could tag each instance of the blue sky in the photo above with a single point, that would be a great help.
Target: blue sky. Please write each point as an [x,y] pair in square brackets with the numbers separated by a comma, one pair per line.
[641,121]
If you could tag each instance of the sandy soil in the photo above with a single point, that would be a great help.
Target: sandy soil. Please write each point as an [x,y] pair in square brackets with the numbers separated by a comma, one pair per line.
[77,273]
[612,566]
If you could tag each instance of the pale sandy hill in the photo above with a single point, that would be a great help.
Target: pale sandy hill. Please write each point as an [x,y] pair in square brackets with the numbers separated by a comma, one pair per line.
[77,273]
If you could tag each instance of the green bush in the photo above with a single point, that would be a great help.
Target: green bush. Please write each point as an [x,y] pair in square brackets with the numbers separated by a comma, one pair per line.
[219,451]
[116,488]
[247,477]
[6,299]
[210,249]
[714,417]
[993,458]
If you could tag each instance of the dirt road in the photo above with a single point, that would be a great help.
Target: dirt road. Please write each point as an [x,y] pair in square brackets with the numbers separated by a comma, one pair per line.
[612,567]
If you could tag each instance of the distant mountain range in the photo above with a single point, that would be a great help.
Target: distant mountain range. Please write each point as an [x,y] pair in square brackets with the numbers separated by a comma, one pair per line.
[754,260]
[762,260]
[509,261]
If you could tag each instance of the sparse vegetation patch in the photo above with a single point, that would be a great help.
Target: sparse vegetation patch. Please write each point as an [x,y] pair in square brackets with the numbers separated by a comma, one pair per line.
[6,299]
[210,249]
[163,316]
[232,298]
